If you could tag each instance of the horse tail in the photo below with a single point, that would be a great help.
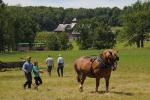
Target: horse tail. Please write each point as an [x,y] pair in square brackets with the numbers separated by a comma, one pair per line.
[78,73]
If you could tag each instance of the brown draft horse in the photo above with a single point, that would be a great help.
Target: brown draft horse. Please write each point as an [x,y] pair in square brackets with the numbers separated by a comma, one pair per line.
[99,67]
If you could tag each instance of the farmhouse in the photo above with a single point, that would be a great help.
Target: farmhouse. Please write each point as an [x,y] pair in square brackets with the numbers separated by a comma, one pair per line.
[69,28]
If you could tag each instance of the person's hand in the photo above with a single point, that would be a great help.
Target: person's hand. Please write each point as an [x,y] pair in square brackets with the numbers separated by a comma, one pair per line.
[41,71]
[26,72]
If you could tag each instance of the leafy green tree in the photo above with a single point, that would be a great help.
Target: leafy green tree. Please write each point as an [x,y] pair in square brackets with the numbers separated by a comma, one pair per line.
[64,40]
[25,27]
[41,37]
[1,27]
[105,38]
[20,24]
[83,28]
[136,24]
[53,42]
[6,28]
[58,41]
[115,20]
[95,33]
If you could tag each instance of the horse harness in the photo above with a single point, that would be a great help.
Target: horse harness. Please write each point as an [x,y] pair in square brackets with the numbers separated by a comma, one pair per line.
[103,63]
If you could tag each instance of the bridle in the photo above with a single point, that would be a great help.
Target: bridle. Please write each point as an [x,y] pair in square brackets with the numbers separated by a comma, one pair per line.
[105,64]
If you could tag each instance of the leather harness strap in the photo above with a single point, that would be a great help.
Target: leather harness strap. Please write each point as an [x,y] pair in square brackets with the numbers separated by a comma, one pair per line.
[103,63]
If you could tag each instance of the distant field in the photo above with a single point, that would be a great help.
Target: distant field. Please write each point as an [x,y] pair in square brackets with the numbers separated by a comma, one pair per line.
[131,81]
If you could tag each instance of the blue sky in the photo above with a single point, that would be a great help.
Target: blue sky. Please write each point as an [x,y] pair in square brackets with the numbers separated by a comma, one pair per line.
[72,3]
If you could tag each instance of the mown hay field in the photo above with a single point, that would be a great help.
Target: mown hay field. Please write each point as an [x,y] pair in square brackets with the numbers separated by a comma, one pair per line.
[131,80]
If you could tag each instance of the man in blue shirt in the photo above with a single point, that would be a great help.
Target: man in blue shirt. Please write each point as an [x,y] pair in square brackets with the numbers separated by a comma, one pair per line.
[27,69]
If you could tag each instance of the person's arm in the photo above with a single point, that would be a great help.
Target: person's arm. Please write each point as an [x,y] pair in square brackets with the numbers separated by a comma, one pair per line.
[24,68]
[52,63]
[35,70]
[39,70]
[46,61]
[58,60]
[63,61]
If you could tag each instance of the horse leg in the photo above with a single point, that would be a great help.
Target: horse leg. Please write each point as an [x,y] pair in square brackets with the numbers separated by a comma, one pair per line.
[97,84]
[107,83]
[82,82]
[79,78]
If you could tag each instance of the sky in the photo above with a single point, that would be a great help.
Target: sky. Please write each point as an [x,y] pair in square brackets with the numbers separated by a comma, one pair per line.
[72,3]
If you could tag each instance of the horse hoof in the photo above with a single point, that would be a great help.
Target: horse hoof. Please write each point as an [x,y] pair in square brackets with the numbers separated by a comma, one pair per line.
[107,91]
[96,92]
[81,89]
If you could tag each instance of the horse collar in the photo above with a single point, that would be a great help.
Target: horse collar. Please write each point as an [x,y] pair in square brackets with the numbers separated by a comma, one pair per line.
[103,63]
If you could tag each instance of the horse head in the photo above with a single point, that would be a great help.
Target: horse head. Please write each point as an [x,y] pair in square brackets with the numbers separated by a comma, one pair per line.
[111,57]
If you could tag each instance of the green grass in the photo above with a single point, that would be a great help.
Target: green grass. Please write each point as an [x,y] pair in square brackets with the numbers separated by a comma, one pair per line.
[75,46]
[131,81]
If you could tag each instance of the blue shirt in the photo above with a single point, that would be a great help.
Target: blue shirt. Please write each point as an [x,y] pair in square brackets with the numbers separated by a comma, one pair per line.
[27,67]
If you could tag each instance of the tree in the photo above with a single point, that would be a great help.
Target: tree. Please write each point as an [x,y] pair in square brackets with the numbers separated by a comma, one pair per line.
[136,24]
[25,27]
[64,40]
[4,24]
[104,39]
[42,37]
[58,41]
[53,42]
[114,20]
[95,33]
[83,28]
[20,24]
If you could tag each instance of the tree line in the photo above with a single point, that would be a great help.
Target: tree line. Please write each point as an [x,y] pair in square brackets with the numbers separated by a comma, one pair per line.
[20,24]
[136,26]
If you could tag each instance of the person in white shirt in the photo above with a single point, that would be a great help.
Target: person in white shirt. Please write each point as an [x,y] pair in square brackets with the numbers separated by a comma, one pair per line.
[50,64]
[60,62]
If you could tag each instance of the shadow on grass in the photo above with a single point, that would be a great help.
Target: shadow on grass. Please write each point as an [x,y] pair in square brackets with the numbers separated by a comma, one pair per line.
[49,89]
[122,93]
[99,92]
[67,76]
[114,92]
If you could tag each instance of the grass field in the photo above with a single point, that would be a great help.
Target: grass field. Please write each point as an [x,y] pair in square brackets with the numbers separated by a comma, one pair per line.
[131,81]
